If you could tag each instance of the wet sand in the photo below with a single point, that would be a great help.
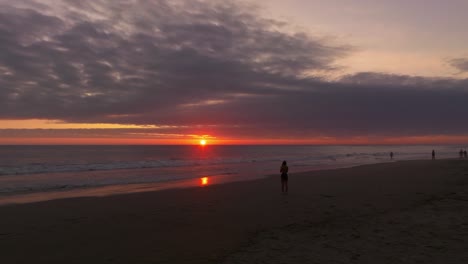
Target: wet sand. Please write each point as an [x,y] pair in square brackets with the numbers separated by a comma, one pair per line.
[401,212]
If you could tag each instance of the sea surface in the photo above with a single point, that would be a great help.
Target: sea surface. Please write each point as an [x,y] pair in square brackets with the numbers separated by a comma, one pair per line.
[44,169]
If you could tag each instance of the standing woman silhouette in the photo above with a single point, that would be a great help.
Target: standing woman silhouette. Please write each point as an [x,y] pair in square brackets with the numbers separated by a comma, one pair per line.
[284,177]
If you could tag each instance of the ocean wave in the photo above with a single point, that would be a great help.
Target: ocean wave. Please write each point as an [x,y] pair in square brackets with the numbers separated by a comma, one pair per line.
[177,162]
[39,168]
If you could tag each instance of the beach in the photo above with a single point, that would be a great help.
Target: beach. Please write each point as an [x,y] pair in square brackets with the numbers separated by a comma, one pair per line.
[398,212]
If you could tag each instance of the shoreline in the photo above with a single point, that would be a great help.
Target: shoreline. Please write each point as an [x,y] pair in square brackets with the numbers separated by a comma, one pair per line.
[58,193]
[328,215]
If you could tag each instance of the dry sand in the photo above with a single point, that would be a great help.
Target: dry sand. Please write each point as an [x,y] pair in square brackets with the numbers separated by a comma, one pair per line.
[401,212]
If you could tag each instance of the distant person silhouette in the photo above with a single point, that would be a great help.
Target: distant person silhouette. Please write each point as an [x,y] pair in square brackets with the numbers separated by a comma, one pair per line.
[284,177]
[433,154]
[461,153]
[464,154]
[391,155]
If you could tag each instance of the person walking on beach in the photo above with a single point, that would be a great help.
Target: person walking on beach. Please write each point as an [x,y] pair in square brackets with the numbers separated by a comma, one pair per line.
[284,177]
[391,155]
[433,154]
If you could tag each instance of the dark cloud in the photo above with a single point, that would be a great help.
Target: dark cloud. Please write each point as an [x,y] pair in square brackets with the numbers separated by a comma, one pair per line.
[460,64]
[206,66]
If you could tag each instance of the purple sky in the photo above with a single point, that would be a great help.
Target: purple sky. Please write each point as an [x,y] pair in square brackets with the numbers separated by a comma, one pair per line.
[403,37]
[280,70]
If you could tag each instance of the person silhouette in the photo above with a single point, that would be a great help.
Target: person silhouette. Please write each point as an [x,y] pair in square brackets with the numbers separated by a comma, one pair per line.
[465,154]
[461,153]
[391,155]
[433,154]
[284,177]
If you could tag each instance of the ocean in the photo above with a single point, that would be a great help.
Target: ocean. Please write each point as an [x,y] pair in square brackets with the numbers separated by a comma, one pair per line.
[26,170]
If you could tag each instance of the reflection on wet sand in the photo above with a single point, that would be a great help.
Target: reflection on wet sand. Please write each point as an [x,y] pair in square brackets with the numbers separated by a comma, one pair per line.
[114,190]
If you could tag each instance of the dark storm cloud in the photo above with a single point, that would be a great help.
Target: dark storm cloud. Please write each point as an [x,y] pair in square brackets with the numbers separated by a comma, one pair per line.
[460,64]
[215,67]
[141,57]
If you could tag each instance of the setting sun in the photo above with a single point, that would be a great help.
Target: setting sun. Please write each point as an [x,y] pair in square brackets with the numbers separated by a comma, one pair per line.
[204,181]
[203,142]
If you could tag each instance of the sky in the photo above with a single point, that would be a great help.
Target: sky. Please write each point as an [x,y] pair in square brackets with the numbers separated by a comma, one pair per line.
[233,72]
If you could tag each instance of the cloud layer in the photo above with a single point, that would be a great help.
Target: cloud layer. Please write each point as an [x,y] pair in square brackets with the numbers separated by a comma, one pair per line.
[460,64]
[203,66]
